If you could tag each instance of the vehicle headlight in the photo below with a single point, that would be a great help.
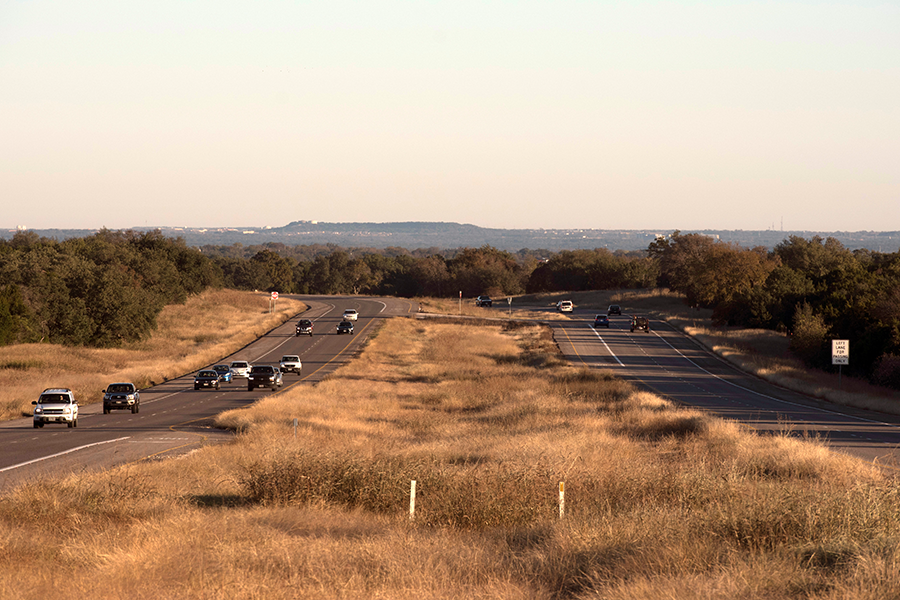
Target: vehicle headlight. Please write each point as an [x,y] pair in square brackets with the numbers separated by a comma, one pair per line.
[130,396]
[38,410]
[67,410]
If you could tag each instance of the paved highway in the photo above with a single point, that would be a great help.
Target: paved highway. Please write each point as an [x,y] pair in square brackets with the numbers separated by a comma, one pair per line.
[676,367]
[174,417]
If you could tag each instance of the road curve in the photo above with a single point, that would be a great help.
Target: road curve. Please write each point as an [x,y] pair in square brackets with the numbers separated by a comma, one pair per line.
[675,366]
[174,418]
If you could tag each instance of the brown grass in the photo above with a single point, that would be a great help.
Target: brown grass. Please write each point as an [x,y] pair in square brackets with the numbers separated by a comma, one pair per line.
[500,310]
[661,502]
[189,336]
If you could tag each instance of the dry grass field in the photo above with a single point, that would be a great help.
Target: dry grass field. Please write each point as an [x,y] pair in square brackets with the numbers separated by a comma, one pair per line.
[661,502]
[500,310]
[189,336]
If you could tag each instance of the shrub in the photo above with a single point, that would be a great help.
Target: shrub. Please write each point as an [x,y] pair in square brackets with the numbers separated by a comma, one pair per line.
[887,371]
[809,340]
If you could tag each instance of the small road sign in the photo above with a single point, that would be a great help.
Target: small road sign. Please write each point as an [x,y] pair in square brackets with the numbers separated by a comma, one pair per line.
[840,352]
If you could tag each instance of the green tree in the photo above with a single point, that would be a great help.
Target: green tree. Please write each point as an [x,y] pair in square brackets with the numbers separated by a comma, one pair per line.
[810,336]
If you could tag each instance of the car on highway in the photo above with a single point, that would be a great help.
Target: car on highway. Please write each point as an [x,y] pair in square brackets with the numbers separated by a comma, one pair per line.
[121,396]
[614,309]
[290,363]
[264,376]
[240,368]
[601,321]
[225,373]
[207,378]
[56,405]
[304,327]
[640,323]
[483,301]
[565,306]
[350,315]
[345,327]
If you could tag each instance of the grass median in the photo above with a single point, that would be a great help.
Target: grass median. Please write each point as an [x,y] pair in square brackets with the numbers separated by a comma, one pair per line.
[487,418]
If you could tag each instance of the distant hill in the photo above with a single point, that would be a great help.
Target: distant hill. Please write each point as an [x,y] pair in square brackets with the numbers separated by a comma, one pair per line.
[412,235]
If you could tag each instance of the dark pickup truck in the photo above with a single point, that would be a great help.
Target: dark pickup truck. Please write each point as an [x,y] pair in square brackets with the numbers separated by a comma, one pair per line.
[264,376]
[640,323]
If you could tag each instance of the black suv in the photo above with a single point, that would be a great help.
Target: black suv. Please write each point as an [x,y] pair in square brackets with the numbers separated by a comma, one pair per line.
[483,301]
[264,376]
[614,309]
[304,327]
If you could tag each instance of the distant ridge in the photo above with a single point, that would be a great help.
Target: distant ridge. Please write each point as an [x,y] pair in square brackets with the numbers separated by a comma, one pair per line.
[440,235]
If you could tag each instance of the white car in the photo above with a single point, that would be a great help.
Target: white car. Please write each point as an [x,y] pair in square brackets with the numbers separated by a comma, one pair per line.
[350,315]
[566,306]
[240,368]
[290,363]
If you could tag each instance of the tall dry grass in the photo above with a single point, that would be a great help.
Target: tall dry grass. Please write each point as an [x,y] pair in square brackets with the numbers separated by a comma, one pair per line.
[660,502]
[500,310]
[188,336]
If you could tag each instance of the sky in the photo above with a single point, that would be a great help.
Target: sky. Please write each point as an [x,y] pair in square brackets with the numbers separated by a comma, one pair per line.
[522,114]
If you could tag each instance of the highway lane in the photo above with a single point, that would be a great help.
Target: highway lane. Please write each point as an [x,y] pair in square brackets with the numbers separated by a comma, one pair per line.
[174,418]
[673,365]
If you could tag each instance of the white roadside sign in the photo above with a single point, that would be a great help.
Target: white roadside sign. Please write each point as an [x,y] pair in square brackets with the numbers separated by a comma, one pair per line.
[840,352]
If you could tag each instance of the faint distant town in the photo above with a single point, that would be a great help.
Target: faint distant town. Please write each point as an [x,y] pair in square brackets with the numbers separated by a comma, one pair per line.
[413,235]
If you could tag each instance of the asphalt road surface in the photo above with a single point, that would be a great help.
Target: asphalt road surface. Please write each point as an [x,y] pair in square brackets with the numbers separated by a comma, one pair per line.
[174,418]
[673,365]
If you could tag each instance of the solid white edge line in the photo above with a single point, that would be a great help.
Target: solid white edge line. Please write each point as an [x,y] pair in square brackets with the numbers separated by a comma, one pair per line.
[61,453]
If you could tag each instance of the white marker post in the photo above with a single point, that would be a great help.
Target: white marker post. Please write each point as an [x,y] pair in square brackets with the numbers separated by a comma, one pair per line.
[562,499]
[412,500]
[509,302]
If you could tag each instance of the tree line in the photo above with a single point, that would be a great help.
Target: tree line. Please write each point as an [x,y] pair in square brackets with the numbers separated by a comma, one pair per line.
[102,290]
[486,270]
[108,288]
[814,290]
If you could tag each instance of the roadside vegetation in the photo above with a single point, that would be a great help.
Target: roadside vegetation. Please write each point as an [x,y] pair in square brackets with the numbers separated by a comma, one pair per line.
[188,336]
[814,289]
[100,291]
[661,502]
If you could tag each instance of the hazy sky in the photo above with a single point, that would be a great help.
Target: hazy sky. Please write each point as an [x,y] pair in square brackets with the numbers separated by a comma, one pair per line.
[562,114]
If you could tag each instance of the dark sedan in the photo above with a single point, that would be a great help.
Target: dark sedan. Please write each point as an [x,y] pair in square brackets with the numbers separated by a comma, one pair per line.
[345,327]
[206,379]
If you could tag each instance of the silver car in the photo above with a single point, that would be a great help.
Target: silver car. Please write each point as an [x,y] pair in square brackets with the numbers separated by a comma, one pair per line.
[240,368]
